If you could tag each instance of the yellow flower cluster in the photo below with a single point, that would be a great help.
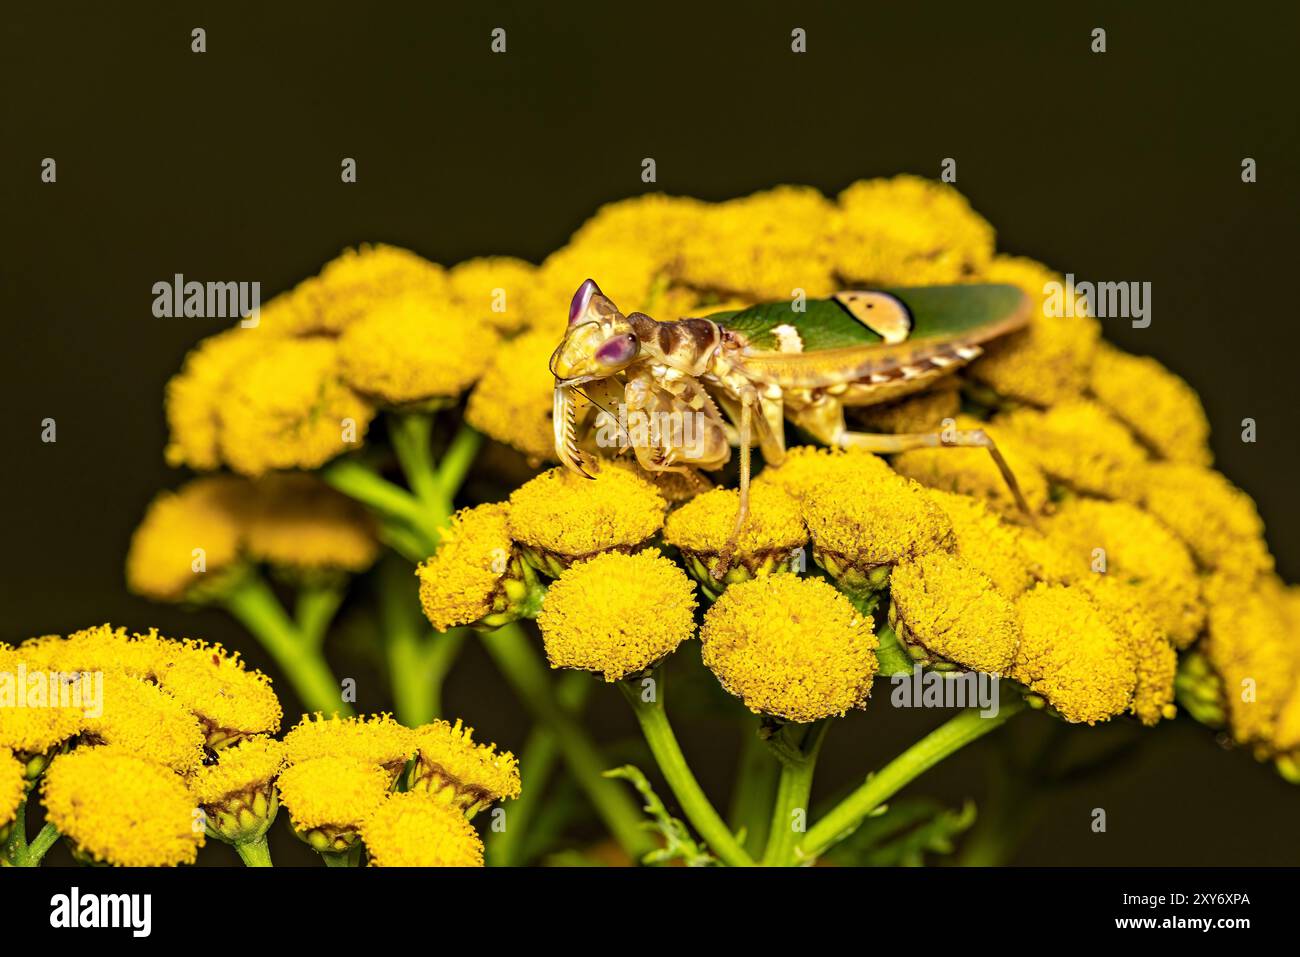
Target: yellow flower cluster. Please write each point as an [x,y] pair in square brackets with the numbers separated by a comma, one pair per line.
[192,542]
[453,768]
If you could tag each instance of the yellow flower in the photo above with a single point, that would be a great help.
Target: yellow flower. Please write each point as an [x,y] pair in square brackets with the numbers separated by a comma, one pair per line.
[1049,361]
[989,544]
[918,413]
[807,465]
[455,770]
[329,797]
[375,739]
[477,576]
[943,608]
[296,521]
[33,733]
[1217,520]
[196,393]
[513,400]
[1161,409]
[405,353]
[1139,550]
[1251,645]
[13,786]
[627,274]
[791,647]
[356,282]
[289,409]
[502,292]
[765,246]
[561,517]
[1078,444]
[230,701]
[972,471]
[103,648]
[142,719]
[1122,605]
[118,809]
[908,231]
[772,533]
[617,614]
[859,529]
[237,793]
[188,539]
[658,225]
[1071,656]
[413,830]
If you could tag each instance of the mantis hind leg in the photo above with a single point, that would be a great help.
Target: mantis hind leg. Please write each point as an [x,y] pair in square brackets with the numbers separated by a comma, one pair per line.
[885,444]
[745,429]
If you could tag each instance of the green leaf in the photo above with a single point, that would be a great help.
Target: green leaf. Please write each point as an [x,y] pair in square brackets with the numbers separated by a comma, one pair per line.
[679,845]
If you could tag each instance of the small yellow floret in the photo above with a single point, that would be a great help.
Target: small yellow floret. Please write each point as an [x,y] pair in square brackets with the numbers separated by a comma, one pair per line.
[513,400]
[289,409]
[335,793]
[469,774]
[1078,444]
[459,582]
[119,809]
[408,351]
[1161,409]
[231,701]
[197,392]
[872,524]
[297,521]
[415,830]
[376,739]
[502,292]
[991,545]
[13,785]
[617,614]
[791,647]
[953,611]
[249,765]
[1156,660]
[28,723]
[147,721]
[1251,646]
[355,283]
[1071,655]
[104,648]
[565,514]
[705,523]
[208,514]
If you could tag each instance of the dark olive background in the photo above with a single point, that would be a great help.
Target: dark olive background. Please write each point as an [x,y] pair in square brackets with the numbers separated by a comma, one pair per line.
[1122,166]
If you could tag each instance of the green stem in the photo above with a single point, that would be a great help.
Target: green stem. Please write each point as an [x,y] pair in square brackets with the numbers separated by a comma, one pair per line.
[418,659]
[949,738]
[41,844]
[536,762]
[348,858]
[411,434]
[754,790]
[314,611]
[255,853]
[15,848]
[518,662]
[254,604]
[457,459]
[356,480]
[672,763]
[790,810]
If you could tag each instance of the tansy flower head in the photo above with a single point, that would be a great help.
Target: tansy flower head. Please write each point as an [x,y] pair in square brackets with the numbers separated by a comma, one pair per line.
[453,769]
[1217,520]
[237,792]
[142,719]
[289,409]
[629,275]
[972,471]
[617,614]
[917,413]
[764,246]
[807,465]
[1251,646]
[119,809]
[328,798]
[1049,361]
[989,544]
[560,517]
[948,615]
[502,292]
[514,399]
[1160,408]
[909,231]
[297,522]
[13,785]
[102,648]
[375,739]
[477,576]
[415,830]
[30,726]
[658,225]
[1156,661]
[772,532]
[790,647]
[859,532]
[1071,656]
[229,700]
[188,545]
[1137,549]
[357,282]
[196,393]
[1078,444]
[407,353]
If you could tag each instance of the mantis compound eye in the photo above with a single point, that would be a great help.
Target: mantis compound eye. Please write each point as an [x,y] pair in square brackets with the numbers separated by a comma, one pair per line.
[617,351]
